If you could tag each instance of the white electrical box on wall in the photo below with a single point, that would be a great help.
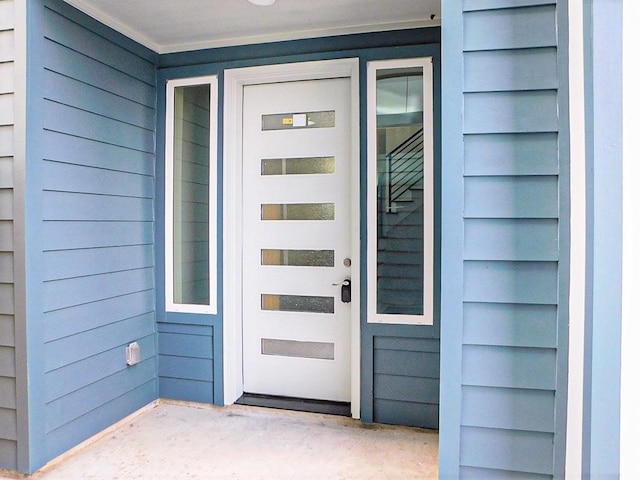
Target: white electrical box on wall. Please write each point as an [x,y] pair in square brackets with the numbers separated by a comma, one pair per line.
[132,353]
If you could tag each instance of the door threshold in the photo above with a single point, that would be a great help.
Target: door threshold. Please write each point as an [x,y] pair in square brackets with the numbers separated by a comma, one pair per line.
[297,404]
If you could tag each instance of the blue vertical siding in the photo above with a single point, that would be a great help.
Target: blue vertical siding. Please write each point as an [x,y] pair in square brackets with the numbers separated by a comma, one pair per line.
[512,300]
[92,199]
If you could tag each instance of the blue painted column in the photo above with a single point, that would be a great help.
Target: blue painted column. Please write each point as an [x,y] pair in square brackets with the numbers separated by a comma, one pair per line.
[603,103]
[452,239]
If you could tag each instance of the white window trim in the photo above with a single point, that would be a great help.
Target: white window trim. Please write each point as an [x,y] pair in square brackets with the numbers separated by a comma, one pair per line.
[234,82]
[170,305]
[372,238]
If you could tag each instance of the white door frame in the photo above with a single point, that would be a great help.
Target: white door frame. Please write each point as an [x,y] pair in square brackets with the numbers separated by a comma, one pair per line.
[234,82]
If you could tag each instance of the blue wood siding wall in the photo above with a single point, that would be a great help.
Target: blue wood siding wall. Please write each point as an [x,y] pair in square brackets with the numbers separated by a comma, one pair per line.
[400,365]
[511,377]
[8,412]
[91,201]
[186,362]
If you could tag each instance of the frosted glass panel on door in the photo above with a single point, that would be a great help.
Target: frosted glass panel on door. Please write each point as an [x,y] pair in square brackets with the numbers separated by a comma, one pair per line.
[295,348]
[297,303]
[191,195]
[298,258]
[298,166]
[298,211]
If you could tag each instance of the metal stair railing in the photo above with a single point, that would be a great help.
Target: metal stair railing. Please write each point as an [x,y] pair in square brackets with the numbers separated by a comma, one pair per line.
[404,168]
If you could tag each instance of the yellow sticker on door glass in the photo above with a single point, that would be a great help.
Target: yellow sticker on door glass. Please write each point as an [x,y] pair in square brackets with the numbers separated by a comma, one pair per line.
[287,121]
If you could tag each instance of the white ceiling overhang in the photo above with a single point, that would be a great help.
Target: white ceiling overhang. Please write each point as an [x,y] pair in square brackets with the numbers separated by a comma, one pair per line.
[167,26]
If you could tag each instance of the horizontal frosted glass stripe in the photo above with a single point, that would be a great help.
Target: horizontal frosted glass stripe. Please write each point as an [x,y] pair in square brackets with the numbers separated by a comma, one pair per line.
[287,121]
[297,303]
[293,348]
[298,166]
[298,211]
[298,258]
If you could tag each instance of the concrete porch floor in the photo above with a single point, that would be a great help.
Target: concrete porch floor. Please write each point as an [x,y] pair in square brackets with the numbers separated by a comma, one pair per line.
[174,440]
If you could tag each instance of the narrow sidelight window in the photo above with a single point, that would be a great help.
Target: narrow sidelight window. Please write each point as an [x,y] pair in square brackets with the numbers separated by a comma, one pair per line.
[190,228]
[400,191]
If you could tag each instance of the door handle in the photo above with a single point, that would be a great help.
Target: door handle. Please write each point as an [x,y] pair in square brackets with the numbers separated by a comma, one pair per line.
[345,290]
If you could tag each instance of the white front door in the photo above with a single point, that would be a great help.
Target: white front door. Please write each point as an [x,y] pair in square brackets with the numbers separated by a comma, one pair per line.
[296,245]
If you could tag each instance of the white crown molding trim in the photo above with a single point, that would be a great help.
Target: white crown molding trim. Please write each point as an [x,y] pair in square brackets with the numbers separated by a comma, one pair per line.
[295,35]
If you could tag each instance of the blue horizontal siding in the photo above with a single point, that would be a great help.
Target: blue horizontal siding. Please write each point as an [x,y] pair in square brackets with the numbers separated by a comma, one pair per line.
[65,177]
[96,234]
[68,62]
[77,94]
[99,128]
[406,380]
[511,282]
[186,390]
[411,344]
[509,367]
[473,473]
[510,28]
[74,376]
[181,328]
[88,316]
[186,362]
[93,395]
[68,350]
[512,244]
[90,207]
[508,408]
[511,325]
[95,97]
[393,412]
[406,389]
[66,264]
[511,197]
[511,112]
[510,450]
[525,69]
[97,419]
[186,368]
[413,364]
[77,291]
[511,239]
[511,154]
[185,345]
[83,151]
[66,32]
